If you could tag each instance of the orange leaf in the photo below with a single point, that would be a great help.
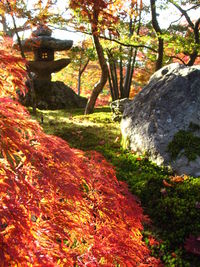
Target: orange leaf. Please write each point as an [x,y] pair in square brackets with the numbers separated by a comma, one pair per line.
[165,183]
[177,179]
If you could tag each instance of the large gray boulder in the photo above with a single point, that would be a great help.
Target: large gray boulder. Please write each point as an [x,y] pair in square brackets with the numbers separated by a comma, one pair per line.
[169,104]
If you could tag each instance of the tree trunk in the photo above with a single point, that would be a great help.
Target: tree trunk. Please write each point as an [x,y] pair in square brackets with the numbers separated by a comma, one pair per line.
[7,31]
[80,72]
[159,61]
[121,87]
[160,53]
[79,82]
[194,55]
[113,79]
[111,86]
[104,76]
[131,74]
[128,73]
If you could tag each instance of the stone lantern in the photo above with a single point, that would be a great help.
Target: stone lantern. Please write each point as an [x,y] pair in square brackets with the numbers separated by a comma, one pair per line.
[44,46]
[49,95]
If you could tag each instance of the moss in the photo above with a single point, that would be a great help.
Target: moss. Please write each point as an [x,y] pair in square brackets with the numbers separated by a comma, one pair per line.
[194,127]
[184,143]
[85,132]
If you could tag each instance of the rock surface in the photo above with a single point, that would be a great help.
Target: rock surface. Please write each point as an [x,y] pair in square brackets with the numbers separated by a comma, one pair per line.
[55,95]
[168,104]
[117,108]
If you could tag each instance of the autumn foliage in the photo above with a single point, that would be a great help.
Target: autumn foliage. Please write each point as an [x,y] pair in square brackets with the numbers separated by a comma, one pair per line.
[12,70]
[60,206]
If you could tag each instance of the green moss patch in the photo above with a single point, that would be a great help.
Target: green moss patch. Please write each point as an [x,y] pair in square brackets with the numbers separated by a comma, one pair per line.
[85,132]
[184,143]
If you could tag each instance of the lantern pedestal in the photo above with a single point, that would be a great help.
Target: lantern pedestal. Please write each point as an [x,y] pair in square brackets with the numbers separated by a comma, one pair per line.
[54,95]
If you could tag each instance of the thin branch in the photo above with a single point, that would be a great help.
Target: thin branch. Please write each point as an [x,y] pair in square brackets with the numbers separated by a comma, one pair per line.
[109,39]
[15,30]
[85,66]
[193,7]
[184,13]
[176,57]
[128,45]
[175,21]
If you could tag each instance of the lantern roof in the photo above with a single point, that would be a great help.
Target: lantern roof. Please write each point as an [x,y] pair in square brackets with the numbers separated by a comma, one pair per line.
[42,30]
[41,38]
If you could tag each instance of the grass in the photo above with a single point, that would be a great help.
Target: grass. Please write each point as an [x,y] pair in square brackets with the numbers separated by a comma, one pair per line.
[172,206]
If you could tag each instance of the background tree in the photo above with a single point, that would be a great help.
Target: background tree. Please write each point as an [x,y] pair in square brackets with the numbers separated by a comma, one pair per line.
[96,14]
[81,55]
[122,60]
[155,24]
[134,38]
[185,34]
[19,10]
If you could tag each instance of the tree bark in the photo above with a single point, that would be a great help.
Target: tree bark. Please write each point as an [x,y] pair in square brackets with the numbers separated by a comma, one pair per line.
[132,58]
[131,74]
[94,20]
[195,54]
[104,76]
[121,87]
[113,79]
[160,51]
[111,86]
[6,29]
[128,74]
[80,72]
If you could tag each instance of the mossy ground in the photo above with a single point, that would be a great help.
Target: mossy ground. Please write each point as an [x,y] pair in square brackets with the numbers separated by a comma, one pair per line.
[173,209]
[85,132]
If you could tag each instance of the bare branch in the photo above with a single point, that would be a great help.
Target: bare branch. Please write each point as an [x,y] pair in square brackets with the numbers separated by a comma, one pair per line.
[184,13]
[128,45]
[109,39]
[175,21]
[176,57]
[193,7]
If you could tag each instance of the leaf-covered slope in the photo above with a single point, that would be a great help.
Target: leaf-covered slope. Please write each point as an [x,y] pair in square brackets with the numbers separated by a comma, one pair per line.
[59,206]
